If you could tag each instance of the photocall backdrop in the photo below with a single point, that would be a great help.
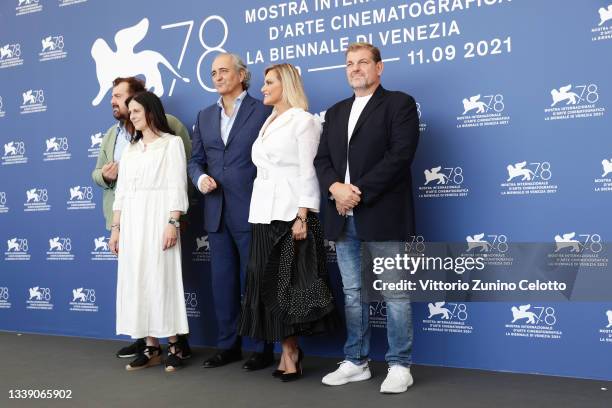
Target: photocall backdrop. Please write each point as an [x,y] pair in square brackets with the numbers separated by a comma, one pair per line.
[513,98]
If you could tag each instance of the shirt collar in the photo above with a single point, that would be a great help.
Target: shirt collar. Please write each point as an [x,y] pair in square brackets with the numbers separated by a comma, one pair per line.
[121,130]
[236,103]
[121,127]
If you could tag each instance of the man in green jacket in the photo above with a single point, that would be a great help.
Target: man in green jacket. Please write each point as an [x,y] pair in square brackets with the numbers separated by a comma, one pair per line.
[107,169]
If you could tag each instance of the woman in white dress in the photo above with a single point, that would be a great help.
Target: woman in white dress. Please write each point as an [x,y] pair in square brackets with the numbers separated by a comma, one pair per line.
[151,195]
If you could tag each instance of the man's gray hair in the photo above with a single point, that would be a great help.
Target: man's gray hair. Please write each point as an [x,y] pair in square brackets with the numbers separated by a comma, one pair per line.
[240,66]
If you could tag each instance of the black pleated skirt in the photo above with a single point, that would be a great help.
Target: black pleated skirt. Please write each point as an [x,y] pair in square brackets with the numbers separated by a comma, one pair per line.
[287,289]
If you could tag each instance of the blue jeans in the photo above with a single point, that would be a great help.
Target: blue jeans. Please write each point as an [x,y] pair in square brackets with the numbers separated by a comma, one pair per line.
[399,311]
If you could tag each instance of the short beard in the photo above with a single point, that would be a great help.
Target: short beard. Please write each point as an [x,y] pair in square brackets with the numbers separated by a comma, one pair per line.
[362,84]
[119,116]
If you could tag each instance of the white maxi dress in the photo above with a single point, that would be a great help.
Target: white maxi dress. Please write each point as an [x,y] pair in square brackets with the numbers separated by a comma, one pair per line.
[152,182]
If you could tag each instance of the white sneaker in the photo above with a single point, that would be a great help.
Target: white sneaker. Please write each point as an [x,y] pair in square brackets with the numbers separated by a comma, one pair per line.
[398,380]
[348,372]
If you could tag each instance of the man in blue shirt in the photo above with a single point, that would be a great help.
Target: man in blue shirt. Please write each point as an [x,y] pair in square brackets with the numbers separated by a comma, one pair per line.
[223,172]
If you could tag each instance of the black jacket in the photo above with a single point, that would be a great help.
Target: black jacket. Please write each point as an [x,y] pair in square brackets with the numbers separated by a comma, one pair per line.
[380,155]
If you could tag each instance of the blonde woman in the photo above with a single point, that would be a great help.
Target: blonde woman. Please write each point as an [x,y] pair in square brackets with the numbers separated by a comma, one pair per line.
[287,293]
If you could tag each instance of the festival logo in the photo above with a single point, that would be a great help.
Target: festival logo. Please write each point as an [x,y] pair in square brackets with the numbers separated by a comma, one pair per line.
[52,48]
[17,249]
[39,298]
[125,62]
[57,148]
[36,200]
[604,183]
[605,333]
[202,249]
[570,102]
[14,153]
[603,30]
[330,249]
[578,250]
[81,198]
[378,314]
[422,122]
[191,304]
[415,246]
[83,300]
[443,182]
[101,250]
[60,249]
[33,101]
[446,317]
[3,203]
[528,178]
[28,7]
[5,298]
[96,142]
[531,321]
[483,110]
[10,55]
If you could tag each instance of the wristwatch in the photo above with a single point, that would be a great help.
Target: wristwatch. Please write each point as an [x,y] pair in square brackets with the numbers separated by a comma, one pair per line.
[174,222]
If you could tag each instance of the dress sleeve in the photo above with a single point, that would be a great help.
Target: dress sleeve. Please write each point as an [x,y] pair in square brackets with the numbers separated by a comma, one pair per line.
[308,134]
[177,175]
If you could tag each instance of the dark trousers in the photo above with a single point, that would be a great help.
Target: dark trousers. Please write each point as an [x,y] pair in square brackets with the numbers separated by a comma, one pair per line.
[229,252]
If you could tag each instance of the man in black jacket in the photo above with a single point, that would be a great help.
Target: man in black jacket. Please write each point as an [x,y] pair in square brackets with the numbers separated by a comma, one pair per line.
[363,163]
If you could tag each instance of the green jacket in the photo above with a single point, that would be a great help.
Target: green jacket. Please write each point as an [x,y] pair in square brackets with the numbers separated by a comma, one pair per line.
[107,151]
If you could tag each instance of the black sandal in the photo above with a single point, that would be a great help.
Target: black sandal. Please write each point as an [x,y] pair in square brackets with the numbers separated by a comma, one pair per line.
[173,360]
[151,356]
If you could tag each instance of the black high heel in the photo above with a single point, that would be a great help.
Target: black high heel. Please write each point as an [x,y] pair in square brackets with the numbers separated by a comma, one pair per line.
[298,369]
[278,373]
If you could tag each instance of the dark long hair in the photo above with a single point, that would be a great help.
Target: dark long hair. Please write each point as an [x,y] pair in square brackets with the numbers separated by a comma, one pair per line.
[154,114]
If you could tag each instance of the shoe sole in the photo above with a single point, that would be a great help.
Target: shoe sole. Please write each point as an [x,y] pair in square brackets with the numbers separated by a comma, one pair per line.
[398,391]
[221,365]
[258,368]
[126,355]
[156,360]
[366,375]
[171,369]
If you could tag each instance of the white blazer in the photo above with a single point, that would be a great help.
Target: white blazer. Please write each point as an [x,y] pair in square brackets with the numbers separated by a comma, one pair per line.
[283,154]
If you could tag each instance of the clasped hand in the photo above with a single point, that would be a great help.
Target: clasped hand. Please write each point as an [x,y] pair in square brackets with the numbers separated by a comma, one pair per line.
[346,196]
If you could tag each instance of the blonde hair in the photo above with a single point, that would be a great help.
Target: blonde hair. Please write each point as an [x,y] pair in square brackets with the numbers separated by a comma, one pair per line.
[293,87]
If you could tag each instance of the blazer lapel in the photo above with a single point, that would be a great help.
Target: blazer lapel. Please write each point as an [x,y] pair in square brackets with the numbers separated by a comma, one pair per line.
[244,112]
[344,114]
[215,125]
[370,107]
[112,141]
[278,121]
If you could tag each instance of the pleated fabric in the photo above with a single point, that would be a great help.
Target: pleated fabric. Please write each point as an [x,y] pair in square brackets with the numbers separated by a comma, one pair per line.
[287,289]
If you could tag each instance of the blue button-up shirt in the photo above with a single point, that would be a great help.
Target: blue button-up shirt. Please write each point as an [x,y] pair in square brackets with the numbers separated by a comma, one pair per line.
[226,124]
[228,121]
[123,139]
